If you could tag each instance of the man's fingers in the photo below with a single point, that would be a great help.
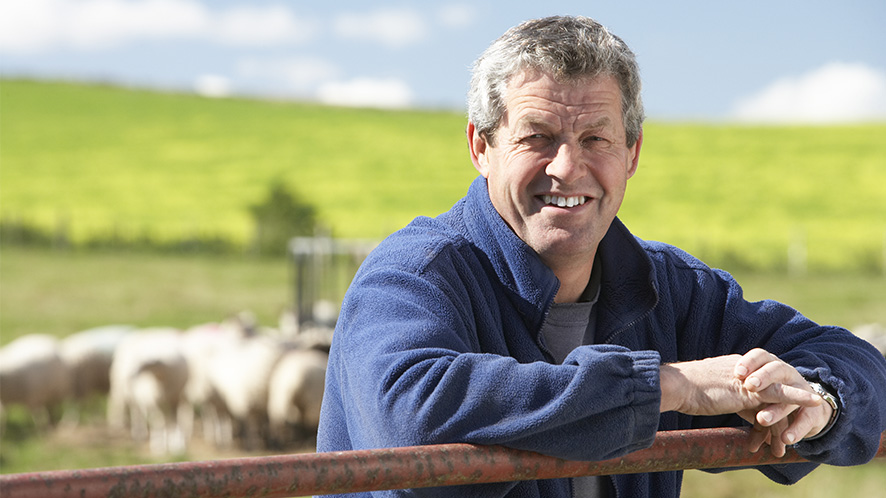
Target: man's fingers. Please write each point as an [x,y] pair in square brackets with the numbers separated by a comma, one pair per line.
[759,436]
[807,422]
[752,361]
[788,409]
[774,414]
[778,382]
[776,444]
[774,372]
[781,394]
[772,436]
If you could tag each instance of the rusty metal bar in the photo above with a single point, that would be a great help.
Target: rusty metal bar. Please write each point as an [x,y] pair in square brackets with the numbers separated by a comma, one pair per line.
[393,468]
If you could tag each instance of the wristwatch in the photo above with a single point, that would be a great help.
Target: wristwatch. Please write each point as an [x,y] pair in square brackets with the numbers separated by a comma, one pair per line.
[829,399]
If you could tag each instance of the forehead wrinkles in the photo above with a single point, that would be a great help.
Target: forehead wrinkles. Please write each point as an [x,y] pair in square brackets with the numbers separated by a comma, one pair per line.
[589,103]
[558,116]
[584,116]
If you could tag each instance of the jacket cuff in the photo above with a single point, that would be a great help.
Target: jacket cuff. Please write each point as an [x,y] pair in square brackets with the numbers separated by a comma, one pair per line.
[647,406]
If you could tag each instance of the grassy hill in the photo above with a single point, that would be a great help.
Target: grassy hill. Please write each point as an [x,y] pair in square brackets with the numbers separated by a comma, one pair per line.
[96,158]
[92,160]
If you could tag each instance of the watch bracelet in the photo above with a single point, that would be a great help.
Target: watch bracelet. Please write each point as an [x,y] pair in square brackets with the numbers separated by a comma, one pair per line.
[830,399]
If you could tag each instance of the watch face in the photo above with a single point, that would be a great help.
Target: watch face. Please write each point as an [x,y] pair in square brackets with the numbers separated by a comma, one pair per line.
[831,400]
[827,396]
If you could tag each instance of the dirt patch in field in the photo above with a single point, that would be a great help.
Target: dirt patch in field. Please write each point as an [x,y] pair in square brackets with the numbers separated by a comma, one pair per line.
[94,444]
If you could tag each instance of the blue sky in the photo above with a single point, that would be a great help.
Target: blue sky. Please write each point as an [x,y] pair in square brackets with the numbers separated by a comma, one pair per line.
[808,61]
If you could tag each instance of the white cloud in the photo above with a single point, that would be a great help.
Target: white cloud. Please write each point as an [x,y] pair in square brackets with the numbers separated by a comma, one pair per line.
[262,26]
[835,92]
[393,28]
[460,15]
[212,85]
[366,92]
[298,73]
[39,25]
[100,23]
[26,27]
[35,26]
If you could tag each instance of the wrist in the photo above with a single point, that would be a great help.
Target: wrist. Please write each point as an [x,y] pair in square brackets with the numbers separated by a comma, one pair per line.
[830,400]
[670,384]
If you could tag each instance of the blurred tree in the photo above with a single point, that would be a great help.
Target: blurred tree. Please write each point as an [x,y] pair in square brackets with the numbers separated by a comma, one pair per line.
[279,217]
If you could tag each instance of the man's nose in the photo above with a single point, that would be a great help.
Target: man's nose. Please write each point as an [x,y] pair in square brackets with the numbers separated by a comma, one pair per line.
[568,165]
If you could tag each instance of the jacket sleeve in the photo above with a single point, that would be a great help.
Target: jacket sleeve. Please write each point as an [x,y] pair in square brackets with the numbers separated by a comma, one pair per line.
[409,370]
[852,368]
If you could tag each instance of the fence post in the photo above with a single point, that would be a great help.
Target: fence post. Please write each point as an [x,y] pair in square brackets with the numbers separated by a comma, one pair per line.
[884,252]
[797,253]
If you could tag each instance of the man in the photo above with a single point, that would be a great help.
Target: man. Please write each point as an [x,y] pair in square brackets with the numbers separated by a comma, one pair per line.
[528,316]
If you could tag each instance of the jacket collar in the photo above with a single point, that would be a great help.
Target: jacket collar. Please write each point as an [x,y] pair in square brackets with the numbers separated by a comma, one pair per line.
[532,284]
[628,289]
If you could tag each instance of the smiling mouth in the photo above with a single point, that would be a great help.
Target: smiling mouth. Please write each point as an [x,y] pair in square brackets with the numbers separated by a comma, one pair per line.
[556,200]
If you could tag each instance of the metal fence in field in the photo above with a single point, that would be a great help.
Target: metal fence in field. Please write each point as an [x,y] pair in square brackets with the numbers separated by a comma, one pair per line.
[322,269]
[382,469]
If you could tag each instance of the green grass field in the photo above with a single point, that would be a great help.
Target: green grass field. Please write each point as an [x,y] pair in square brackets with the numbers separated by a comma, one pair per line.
[60,292]
[94,160]
[101,158]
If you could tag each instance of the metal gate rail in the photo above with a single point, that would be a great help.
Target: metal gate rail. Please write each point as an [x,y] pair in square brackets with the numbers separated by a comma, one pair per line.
[393,468]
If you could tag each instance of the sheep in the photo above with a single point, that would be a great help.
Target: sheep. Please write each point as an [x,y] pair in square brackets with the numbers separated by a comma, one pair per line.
[324,314]
[317,333]
[239,374]
[874,333]
[88,355]
[295,392]
[33,374]
[148,377]
[200,343]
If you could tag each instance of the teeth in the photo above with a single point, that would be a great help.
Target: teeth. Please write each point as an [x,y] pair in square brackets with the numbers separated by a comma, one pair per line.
[564,201]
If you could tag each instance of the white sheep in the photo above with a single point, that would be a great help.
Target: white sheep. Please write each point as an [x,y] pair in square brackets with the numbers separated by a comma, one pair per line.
[324,315]
[313,337]
[33,374]
[874,333]
[200,345]
[89,354]
[239,373]
[294,395]
[148,377]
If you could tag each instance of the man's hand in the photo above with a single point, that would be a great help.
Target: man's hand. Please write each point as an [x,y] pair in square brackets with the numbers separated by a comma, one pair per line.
[712,386]
[757,386]
[779,424]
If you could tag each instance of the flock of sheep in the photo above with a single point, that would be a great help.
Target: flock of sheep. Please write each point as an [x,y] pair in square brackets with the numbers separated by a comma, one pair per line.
[232,381]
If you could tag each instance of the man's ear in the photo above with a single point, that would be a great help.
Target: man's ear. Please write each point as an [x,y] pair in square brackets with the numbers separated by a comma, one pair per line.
[635,155]
[479,147]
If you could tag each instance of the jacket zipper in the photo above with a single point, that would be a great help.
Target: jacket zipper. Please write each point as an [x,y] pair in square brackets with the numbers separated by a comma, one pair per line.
[628,326]
[538,339]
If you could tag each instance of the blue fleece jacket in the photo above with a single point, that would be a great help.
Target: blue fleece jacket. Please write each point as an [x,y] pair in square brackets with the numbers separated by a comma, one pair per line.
[438,342]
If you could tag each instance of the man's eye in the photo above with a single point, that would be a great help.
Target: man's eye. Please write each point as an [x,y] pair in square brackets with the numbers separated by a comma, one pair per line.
[596,141]
[535,139]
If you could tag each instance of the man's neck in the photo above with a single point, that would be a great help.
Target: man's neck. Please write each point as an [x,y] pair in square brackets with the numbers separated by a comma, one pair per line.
[573,282]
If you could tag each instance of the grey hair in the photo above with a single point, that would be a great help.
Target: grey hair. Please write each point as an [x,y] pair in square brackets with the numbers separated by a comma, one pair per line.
[566,48]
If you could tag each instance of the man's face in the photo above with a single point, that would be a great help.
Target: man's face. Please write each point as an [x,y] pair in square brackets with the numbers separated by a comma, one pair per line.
[559,164]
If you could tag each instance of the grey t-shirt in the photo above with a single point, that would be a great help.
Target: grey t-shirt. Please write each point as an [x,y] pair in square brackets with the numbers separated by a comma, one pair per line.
[569,325]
